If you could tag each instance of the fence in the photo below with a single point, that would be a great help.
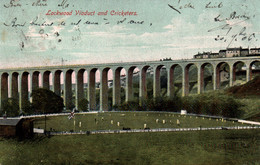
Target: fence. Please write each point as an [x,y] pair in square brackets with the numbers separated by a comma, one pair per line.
[152,130]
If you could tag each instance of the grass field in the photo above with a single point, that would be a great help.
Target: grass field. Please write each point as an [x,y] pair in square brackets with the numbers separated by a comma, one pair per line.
[195,147]
[133,120]
[201,147]
[251,106]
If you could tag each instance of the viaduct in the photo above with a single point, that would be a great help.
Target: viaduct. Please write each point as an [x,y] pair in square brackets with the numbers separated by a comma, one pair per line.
[19,82]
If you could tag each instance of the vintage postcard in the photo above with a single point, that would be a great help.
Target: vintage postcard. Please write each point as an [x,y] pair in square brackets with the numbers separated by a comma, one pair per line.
[129,82]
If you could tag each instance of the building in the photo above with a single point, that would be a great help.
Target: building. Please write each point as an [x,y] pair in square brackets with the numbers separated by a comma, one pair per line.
[213,55]
[16,127]
[233,52]
[206,55]
[244,52]
[255,51]
[202,55]
[222,53]
[230,52]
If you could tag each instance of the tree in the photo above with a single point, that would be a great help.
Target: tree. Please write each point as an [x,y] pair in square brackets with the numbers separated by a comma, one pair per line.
[27,108]
[83,105]
[46,101]
[10,107]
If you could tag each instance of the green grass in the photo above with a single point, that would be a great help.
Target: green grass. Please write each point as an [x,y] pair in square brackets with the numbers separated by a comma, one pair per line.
[201,147]
[251,106]
[133,120]
[194,147]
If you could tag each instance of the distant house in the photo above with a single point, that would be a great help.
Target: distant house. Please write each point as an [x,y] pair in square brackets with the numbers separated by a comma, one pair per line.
[244,52]
[230,52]
[206,55]
[254,51]
[202,55]
[233,52]
[16,127]
[222,53]
[213,55]
[198,56]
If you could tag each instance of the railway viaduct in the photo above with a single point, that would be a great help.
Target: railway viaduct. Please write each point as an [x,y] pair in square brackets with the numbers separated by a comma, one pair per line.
[19,82]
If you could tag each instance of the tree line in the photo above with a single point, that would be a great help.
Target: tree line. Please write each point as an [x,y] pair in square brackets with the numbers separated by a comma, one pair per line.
[212,103]
[216,104]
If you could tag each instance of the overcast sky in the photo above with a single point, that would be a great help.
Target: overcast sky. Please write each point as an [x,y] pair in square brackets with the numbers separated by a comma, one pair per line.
[155,30]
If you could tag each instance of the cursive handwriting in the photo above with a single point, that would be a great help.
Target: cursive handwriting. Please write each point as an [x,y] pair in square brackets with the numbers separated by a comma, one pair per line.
[135,22]
[226,26]
[40,3]
[36,23]
[64,4]
[209,5]
[174,8]
[12,3]
[241,35]
[232,16]
[91,23]
[181,6]
[76,23]
[121,21]
[14,24]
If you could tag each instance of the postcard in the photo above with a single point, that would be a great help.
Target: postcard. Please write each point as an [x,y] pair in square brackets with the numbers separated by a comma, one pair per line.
[140,81]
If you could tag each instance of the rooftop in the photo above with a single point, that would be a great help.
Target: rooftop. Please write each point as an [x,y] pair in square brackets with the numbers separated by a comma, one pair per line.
[254,48]
[234,48]
[12,122]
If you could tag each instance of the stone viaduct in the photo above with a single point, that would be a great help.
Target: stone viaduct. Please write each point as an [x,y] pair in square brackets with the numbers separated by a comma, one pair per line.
[19,82]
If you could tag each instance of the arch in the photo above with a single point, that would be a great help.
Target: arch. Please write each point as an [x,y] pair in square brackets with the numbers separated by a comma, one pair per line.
[189,74]
[35,80]
[57,82]
[205,78]
[131,94]
[117,86]
[122,85]
[254,68]
[46,79]
[24,94]
[4,87]
[68,93]
[143,84]
[14,86]
[79,90]
[157,81]
[222,75]
[92,89]
[174,81]
[239,72]
[104,87]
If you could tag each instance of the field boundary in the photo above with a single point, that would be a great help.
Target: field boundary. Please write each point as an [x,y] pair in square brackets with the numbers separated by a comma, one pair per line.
[177,113]
[152,130]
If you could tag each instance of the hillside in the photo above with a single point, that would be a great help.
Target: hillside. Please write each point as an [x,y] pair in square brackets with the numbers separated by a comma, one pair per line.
[250,88]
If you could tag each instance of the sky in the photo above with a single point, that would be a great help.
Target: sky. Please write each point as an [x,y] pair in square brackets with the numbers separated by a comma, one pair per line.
[32,34]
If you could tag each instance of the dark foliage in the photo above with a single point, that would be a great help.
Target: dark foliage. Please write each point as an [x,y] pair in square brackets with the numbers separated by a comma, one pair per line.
[209,104]
[46,101]
[83,105]
[10,107]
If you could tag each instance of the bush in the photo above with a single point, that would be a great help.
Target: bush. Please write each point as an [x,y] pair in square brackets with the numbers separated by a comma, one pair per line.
[83,105]
[46,101]
[10,107]
[209,104]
